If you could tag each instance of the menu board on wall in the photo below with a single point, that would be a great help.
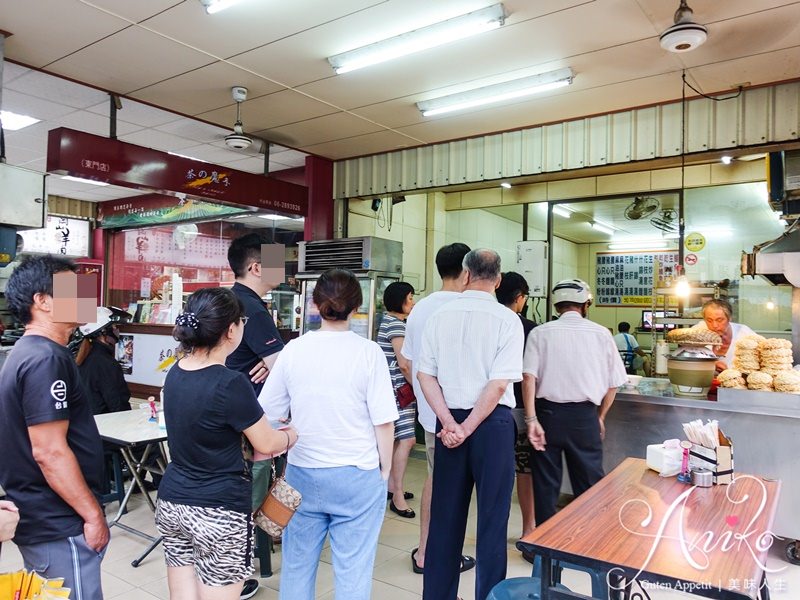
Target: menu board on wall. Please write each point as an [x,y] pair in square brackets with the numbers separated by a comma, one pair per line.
[627,278]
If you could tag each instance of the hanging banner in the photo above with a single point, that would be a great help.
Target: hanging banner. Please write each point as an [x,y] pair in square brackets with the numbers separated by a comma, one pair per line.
[79,154]
[628,278]
[157,209]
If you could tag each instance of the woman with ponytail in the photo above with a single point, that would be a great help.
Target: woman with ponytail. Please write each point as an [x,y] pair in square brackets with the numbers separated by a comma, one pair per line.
[213,422]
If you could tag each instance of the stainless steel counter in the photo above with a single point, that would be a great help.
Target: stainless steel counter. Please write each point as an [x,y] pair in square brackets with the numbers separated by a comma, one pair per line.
[763,426]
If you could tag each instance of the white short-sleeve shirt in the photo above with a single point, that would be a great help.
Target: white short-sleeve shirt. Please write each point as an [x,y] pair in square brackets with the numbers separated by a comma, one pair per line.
[573,360]
[737,330]
[338,388]
[467,343]
[412,344]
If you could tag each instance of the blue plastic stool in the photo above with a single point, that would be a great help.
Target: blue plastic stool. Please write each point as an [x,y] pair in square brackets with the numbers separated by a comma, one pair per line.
[519,588]
[599,587]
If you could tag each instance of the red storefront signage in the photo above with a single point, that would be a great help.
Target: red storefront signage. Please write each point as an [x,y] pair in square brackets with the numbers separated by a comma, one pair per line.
[79,154]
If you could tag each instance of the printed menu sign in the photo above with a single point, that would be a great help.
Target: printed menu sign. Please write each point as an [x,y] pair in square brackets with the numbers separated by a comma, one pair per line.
[627,278]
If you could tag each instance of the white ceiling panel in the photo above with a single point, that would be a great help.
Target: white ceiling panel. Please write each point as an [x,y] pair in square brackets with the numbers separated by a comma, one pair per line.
[136,113]
[258,24]
[44,31]
[372,143]
[136,11]
[17,155]
[211,153]
[11,71]
[195,130]
[315,131]
[112,64]
[89,122]
[158,140]
[38,108]
[206,88]
[270,111]
[290,158]
[42,85]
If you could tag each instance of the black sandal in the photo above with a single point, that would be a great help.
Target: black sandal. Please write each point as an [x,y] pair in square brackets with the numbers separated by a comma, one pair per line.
[406,495]
[467,563]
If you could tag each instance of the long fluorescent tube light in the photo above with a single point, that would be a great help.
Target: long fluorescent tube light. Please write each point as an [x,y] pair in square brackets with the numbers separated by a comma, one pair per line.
[82,180]
[215,6]
[185,156]
[499,92]
[420,39]
[14,122]
[648,245]
[274,217]
[562,212]
[602,228]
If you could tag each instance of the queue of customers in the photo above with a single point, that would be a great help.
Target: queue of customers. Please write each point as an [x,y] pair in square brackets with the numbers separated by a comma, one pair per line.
[347,435]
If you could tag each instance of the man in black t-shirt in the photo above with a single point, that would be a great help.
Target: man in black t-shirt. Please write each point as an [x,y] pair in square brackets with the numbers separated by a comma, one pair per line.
[260,345]
[52,463]
[261,342]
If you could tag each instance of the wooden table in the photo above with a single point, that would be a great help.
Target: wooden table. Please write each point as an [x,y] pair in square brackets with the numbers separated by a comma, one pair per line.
[132,429]
[650,532]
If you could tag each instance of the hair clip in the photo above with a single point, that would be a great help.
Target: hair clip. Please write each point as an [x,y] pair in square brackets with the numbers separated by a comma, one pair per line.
[188,319]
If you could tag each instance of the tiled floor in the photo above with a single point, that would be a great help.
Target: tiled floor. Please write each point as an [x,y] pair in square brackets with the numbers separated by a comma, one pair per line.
[392,579]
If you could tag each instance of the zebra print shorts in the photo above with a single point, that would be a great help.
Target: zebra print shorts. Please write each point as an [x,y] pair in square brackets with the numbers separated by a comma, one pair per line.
[217,542]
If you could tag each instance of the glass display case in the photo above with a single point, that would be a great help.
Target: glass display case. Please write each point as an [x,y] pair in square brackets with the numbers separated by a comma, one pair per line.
[284,306]
[368,316]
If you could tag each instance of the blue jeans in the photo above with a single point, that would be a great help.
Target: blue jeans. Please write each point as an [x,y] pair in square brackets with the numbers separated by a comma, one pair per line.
[347,503]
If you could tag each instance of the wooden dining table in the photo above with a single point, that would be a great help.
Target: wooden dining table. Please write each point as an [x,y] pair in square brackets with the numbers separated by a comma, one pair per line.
[644,532]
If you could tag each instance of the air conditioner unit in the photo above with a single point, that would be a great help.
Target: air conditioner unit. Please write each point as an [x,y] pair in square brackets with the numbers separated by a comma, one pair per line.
[356,254]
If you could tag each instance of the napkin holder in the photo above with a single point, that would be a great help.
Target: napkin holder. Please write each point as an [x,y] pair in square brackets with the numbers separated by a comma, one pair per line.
[665,458]
[718,460]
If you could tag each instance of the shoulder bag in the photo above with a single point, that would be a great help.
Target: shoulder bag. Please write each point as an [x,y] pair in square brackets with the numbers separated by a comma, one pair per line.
[278,506]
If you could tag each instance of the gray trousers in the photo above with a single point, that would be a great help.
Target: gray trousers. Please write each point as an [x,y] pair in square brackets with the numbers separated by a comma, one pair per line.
[71,559]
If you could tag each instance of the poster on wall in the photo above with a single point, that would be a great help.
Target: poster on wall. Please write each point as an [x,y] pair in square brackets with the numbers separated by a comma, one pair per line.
[125,353]
[627,278]
[60,235]
[149,363]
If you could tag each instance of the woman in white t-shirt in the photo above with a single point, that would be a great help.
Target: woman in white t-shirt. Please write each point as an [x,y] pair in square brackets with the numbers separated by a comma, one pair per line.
[337,388]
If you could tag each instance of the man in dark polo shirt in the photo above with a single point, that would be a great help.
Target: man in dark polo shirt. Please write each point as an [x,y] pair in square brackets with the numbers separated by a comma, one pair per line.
[52,456]
[261,341]
[260,345]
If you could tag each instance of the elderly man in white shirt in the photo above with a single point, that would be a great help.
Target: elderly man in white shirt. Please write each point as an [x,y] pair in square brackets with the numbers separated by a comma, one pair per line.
[471,352]
[449,264]
[570,368]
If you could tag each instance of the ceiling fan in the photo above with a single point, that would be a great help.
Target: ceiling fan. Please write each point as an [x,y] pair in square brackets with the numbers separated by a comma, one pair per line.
[666,220]
[641,207]
[237,139]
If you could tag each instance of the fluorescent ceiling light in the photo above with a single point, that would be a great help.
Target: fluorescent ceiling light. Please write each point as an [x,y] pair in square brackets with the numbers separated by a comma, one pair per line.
[82,180]
[726,160]
[672,236]
[13,121]
[602,228]
[644,245]
[420,39]
[505,185]
[562,212]
[499,92]
[215,6]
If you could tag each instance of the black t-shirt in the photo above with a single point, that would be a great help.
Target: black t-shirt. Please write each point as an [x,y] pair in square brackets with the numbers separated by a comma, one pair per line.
[527,327]
[104,381]
[261,337]
[39,383]
[206,411]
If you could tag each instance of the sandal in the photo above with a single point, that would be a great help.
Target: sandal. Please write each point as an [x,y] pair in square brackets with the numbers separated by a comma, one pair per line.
[467,563]
[406,495]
